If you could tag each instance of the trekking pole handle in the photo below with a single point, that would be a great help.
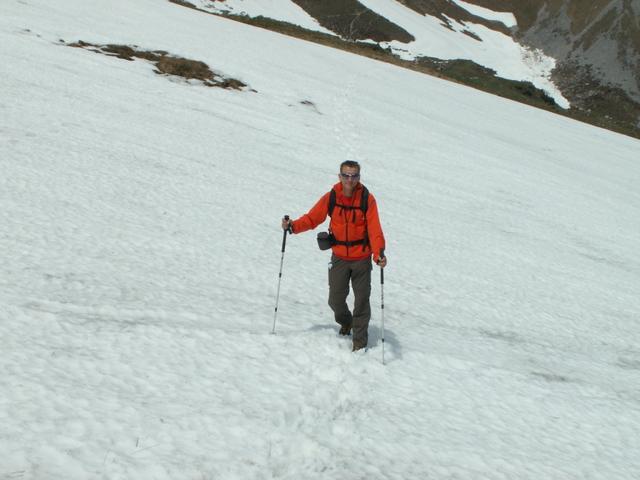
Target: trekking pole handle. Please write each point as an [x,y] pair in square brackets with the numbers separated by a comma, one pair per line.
[284,235]
[381,255]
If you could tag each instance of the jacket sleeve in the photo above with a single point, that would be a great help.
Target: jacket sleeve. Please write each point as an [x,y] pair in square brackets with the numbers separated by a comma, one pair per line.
[313,217]
[374,229]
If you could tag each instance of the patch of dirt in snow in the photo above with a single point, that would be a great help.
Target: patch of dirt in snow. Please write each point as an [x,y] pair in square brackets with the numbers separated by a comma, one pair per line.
[166,64]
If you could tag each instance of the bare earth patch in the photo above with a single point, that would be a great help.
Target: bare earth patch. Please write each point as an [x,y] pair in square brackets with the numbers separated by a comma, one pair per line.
[551,377]
[166,64]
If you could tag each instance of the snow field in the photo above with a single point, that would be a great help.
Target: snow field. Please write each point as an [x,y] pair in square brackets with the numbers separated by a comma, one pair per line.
[140,228]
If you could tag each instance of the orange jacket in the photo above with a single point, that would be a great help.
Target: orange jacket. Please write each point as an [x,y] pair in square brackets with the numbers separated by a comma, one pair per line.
[346,225]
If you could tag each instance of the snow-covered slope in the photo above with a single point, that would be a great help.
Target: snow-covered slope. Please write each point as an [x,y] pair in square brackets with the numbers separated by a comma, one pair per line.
[506,18]
[285,11]
[141,245]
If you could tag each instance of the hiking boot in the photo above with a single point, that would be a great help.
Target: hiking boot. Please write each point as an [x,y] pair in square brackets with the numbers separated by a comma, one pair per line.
[357,347]
[345,330]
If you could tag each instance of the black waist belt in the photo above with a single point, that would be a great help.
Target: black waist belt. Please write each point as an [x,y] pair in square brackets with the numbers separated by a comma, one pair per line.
[352,243]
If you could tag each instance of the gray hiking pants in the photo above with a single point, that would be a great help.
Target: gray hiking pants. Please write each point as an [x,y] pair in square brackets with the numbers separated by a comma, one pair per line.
[358,272]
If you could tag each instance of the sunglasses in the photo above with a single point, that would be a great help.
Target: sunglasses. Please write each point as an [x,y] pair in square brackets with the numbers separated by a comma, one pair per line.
[351,176]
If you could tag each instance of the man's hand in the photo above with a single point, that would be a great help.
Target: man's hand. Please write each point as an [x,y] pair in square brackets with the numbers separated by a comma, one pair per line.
[286,224]
[382,262]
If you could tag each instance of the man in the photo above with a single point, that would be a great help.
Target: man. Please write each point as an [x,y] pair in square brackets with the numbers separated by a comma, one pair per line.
[356,236]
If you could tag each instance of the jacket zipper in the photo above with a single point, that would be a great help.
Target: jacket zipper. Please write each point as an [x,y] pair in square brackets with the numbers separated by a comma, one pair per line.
[346,218]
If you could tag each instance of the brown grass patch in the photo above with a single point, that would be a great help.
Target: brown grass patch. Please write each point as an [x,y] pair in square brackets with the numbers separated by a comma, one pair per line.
[166,64]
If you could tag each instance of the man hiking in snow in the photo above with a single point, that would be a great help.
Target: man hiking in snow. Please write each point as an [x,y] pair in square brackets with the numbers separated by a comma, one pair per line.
[355,235]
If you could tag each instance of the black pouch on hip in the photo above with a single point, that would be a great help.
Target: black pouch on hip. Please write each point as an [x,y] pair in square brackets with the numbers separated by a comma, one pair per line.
[325,240]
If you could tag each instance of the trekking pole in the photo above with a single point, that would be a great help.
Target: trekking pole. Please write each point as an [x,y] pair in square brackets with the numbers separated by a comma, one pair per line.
[382,301]
[284,241]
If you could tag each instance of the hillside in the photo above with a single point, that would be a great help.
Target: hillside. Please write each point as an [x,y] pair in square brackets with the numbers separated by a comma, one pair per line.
[598,51]
[594,52]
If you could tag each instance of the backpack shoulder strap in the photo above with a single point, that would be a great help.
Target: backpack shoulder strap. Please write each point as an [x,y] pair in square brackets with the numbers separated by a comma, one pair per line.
[364,200]
[332,201]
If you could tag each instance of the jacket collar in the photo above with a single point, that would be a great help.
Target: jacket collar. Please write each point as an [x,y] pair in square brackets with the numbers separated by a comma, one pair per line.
[338,188]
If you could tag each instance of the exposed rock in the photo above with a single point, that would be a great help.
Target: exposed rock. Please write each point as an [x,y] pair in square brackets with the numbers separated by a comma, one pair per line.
[352,20]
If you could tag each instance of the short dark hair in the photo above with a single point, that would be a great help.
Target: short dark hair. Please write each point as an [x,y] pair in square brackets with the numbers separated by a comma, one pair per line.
[350,164]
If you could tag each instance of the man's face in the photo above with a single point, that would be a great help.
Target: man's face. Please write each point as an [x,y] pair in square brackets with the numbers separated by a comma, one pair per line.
[349,177]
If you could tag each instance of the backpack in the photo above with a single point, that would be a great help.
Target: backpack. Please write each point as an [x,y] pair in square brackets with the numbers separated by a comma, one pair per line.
[364,204]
